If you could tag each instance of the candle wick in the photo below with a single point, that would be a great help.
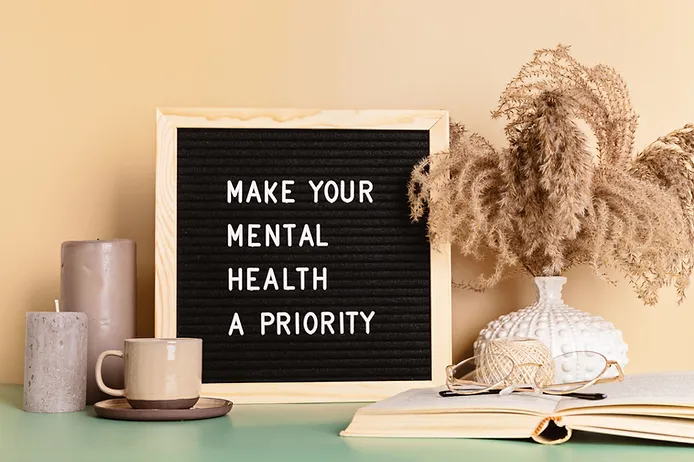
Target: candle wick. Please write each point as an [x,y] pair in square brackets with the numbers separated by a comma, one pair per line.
[57,306]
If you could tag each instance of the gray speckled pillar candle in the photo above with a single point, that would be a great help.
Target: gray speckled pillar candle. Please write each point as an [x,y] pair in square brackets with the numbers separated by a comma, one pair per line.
[55,362]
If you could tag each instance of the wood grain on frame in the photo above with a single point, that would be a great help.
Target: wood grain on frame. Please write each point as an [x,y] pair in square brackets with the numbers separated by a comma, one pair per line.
[170,119]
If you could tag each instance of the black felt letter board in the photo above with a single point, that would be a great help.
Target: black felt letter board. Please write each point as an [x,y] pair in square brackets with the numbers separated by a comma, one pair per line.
[376,260]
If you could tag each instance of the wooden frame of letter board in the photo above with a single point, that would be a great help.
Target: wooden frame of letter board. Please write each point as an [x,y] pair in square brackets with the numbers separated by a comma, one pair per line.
[168,120]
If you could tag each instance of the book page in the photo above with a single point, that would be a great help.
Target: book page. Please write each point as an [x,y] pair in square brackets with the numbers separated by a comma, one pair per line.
[658,427]
[427,400]
[658,389]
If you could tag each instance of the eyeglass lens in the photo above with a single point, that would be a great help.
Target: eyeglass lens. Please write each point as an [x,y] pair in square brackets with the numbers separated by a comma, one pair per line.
[571,371]
[482,372]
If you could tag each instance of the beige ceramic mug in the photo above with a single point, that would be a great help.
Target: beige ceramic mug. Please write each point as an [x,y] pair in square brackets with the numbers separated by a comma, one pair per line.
[159,373]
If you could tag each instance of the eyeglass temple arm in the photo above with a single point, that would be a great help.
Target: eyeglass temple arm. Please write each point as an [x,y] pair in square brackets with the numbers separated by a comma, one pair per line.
[588,396]
[620,371]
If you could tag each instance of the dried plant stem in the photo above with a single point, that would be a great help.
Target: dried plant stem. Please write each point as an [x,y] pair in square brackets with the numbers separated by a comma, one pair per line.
[543,204]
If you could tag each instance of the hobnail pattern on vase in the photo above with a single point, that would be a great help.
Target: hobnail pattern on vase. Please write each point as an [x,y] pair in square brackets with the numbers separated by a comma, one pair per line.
[562,328]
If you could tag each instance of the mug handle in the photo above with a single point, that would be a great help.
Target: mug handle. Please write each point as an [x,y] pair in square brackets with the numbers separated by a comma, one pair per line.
[99,379]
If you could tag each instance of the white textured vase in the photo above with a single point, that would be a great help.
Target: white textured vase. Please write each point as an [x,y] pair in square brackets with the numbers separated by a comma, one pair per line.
[562,328]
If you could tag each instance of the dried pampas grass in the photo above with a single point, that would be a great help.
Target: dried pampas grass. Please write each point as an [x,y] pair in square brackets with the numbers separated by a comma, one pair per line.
[544,204]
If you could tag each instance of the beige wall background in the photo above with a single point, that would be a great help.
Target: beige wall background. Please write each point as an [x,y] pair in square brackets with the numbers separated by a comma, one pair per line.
[80,81]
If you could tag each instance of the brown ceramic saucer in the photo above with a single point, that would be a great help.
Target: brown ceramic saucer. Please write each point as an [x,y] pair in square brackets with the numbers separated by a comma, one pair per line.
[119,409]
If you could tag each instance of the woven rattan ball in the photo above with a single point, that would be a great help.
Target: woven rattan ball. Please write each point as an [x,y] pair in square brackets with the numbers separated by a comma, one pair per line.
[496,361]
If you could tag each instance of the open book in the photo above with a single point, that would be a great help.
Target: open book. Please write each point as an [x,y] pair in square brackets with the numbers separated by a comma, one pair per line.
[654,406]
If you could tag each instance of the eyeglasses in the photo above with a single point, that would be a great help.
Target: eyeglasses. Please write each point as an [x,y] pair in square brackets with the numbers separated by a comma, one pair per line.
[498,374]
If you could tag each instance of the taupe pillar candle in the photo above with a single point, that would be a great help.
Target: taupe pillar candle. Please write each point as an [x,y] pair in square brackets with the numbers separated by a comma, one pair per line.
[99,278]
[55,362]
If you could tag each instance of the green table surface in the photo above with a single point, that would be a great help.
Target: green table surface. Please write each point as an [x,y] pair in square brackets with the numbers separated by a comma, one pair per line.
[298,432]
